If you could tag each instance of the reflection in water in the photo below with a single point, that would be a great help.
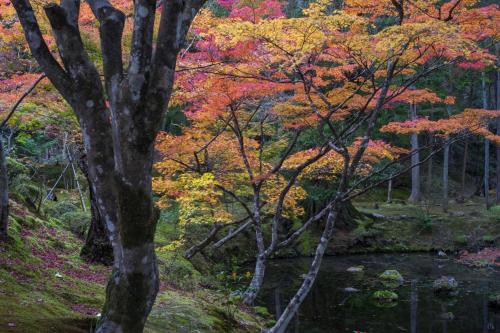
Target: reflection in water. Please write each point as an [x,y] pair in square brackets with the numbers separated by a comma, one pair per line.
[332,308]
[413,306]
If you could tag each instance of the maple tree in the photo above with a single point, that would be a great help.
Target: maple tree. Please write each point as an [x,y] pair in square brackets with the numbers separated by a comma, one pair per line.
[332,71]
[270,103]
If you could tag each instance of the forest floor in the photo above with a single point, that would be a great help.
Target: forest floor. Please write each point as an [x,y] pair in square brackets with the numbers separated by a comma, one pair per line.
[46,287]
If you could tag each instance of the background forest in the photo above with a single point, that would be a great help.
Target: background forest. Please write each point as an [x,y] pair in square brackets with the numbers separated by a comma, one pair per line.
[194,155]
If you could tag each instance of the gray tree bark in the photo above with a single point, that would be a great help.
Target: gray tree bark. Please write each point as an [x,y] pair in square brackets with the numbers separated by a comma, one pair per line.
[298,298]
[415,195]
[4,195]
[446,159]
[486,176]
[389,191]
[119,120]
[260,264]
[464,169]
[497,103]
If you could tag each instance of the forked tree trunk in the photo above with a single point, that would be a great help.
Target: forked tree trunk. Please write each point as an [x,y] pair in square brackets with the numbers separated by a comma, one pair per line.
[119,119]
[4,195]
[446,159]
[415,195]
[294,304]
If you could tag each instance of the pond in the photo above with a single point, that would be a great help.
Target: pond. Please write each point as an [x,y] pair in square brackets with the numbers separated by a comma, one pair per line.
[333,309]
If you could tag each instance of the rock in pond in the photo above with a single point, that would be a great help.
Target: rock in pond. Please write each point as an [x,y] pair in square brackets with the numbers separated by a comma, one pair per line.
[351,290]
[442,254]
[447,316]
[446,285]
[355,269]
[391,278]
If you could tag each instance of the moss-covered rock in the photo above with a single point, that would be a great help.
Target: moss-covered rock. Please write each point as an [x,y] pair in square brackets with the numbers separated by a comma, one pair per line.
[386,296]
[391,278]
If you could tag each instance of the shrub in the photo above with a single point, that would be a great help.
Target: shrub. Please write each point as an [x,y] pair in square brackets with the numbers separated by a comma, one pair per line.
[76,221]
[24,189]
[461,240]
[424,219]
[494,212]
[60,208]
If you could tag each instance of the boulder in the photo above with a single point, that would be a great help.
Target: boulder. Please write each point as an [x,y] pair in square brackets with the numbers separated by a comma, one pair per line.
[385,296]
[442,254]
[391,278]
[445,284]
[355,269]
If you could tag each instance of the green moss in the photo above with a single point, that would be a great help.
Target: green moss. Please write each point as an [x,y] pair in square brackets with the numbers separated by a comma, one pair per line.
[391,275]
[489,238]
[461,240]
[494,212]
[385,296]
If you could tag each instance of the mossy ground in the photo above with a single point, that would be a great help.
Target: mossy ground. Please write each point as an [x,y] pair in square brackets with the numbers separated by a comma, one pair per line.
[46,287]
[403,227]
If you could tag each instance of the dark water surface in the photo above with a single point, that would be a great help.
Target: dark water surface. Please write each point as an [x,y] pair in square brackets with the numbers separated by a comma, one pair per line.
[329,308]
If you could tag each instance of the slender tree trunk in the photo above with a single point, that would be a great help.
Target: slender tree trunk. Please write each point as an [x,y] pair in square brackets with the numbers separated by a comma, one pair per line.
[446,158]
[255,285]
[487,173]
[389,191]
[486,148]
[260,265]
[310,278]
[428,184]
[4,195]
[415,195]
[464,169]
[497,103]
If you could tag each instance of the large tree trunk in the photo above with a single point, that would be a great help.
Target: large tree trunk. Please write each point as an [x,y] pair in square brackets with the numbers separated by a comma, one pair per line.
[119,119]
[97,247]
[415,195]
[300,295]
[4,195]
